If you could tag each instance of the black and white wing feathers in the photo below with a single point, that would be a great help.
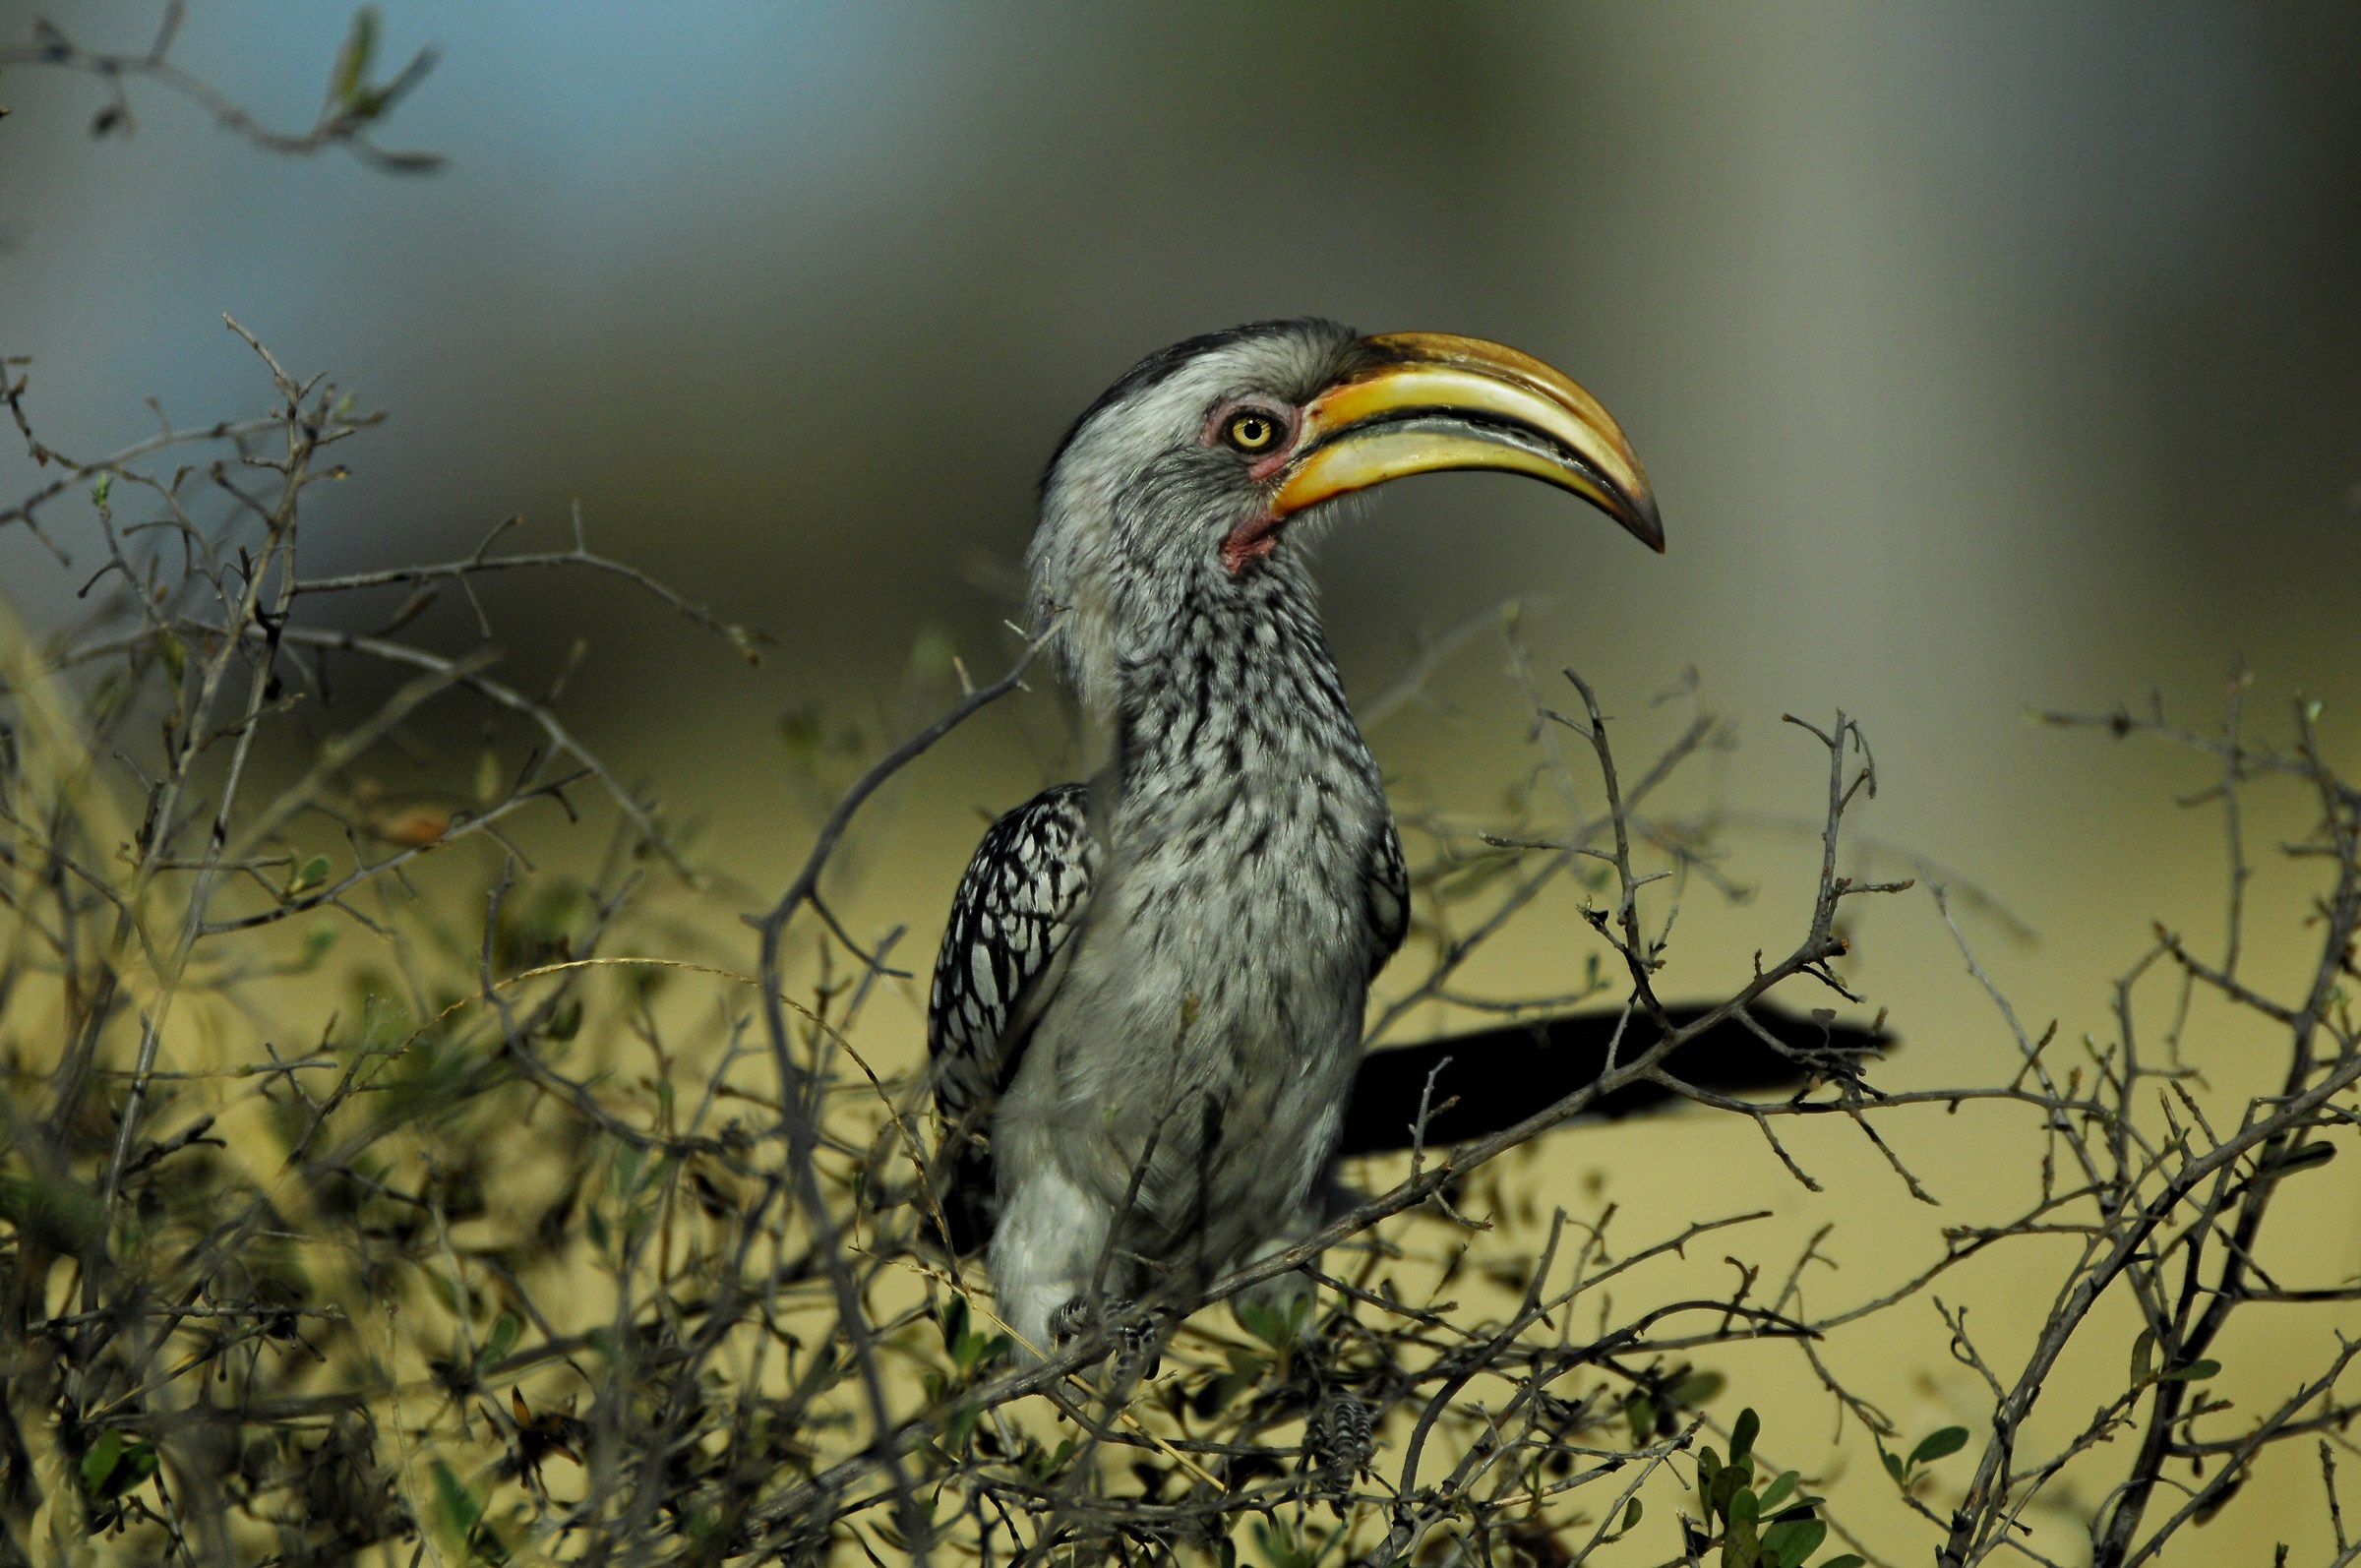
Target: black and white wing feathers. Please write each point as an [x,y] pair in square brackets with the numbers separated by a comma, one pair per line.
[1385,897]
[1024,893]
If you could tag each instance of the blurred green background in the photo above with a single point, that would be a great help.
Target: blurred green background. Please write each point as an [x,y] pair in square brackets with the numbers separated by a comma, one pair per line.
[1984,358]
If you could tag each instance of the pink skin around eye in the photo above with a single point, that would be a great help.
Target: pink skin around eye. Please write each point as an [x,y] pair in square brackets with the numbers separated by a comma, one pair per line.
[1259,535]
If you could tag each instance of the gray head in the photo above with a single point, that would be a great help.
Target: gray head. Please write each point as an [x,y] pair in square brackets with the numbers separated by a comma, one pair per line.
[1191,471]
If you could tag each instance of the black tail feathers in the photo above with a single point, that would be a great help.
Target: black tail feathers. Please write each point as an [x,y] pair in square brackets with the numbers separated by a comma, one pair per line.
[1490,1079]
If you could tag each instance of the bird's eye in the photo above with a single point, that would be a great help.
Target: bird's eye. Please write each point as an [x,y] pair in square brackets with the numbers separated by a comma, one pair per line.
[1251,431]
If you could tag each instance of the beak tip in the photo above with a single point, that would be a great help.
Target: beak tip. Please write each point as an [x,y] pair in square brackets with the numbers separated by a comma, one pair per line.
[1646,524]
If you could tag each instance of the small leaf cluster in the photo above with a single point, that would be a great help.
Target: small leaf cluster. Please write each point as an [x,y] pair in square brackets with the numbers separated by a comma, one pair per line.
[1280,1328]
[972,1351]
[2144,1358]
[115,1465]
[1654,1408]
[1282,1544]
[1909,1472]
[1767,1523]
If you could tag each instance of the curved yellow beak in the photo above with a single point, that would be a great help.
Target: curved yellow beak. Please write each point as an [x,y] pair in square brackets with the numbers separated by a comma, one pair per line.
[1428,402]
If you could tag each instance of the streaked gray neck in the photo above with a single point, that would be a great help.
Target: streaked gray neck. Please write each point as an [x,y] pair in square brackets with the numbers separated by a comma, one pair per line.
[1237,697]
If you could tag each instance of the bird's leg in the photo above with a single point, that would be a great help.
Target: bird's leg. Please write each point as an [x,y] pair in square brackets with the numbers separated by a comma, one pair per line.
[1045,1252]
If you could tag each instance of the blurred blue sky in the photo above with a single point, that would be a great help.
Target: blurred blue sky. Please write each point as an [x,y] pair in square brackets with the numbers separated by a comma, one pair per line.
[1984,356]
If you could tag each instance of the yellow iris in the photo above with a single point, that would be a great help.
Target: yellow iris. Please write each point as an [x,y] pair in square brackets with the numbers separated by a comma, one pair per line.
[1251,432]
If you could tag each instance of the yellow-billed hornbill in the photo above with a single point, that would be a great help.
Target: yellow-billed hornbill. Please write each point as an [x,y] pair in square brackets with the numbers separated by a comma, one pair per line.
[1147,1010]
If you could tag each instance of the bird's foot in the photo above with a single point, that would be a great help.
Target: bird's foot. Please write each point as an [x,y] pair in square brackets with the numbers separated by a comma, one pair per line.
[1138,1336]
[1338,1443]
[1072,1322]
[1134,1332]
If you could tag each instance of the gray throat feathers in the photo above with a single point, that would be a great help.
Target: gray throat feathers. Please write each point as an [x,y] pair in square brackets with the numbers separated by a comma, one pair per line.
[1239,705]
[1244,818]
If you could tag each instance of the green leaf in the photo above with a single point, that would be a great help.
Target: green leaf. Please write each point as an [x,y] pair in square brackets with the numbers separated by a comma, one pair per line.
[460,1508]
[100,487]
[1264,1322]
[1776,1493]
[2303,1158]
[501,1340]
[2193,1370]
[1743,1434]
[1935,1445]
[1893,1464]
[566,1022]
[978,1348]
[962,1424]
[1246,1371]
[352,60]
[448,1291]
[1735,1479]
[310,875]
[138,1463]
[2144,1356]
[1787,1544]
[1282,1546]
[1698,1388]
[954,1323]
[115,1465]
[1742,1547]
[100,1463]
[1848,1561]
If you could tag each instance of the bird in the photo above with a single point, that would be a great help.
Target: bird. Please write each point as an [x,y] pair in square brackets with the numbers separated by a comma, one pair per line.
[1145,1018]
